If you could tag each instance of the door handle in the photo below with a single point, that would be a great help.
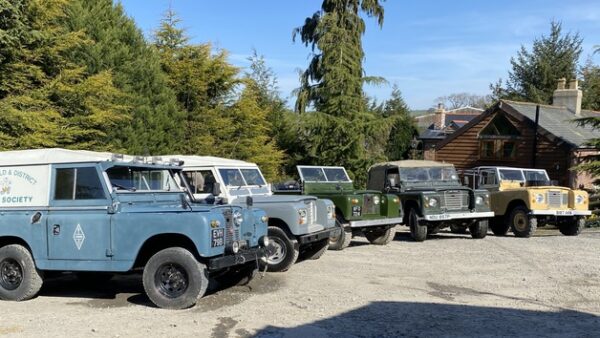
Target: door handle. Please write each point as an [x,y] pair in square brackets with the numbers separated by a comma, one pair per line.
[56,229]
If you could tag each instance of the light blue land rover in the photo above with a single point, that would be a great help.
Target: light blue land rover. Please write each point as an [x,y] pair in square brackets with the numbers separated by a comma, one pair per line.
[99,214]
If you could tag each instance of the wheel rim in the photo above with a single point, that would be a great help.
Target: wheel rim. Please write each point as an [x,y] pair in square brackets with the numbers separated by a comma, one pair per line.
[11,274]
[520,221]
[171,280]
[276,251]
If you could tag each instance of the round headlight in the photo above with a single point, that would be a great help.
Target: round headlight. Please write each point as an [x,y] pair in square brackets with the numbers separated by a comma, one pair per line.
[238,219]
[433,202]
[235,247]
[579,199]
[539,198]
[479,200]
[263,241]
[376,199]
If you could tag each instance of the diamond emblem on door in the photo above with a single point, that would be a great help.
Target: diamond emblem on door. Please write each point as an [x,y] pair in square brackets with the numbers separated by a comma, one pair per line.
[78,237]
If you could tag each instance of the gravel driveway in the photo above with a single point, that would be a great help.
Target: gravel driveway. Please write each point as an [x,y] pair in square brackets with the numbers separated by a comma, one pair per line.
[449,285]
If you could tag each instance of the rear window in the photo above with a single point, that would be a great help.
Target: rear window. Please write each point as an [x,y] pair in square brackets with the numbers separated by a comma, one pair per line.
[78,184]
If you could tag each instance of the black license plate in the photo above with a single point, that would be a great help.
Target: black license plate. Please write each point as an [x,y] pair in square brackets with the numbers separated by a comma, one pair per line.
[217,237]
[356,211]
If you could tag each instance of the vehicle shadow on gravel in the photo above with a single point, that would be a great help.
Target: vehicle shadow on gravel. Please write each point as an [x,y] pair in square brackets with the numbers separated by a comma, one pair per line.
[404,236]
[395,319]
[127,289]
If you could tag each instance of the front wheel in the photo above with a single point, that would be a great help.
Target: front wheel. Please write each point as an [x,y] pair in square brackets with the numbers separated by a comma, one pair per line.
[573,227]
[521,224]
[380,236]
[282,252]
[479,229]
[174,279]
[19,278]
[343,239]
[418,230]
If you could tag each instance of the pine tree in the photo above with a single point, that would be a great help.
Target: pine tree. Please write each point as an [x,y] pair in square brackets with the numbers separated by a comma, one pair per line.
[403,126]
[590,86]
[117,45]
[534,73]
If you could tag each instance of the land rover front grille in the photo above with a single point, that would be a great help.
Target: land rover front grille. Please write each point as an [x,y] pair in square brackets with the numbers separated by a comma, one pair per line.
[369,206]
[554,199]
[456,200]
[311,212]
[232,233]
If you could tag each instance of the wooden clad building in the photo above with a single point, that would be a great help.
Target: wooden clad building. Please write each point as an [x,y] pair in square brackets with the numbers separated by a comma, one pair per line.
[505,134]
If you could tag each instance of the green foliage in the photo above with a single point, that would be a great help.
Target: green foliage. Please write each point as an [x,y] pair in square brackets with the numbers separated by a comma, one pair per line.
[217,121]
[118,46]
[46,99]
[590,86]
[535,73]
[404,128]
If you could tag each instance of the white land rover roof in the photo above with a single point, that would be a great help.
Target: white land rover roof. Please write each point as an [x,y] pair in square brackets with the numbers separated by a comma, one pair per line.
[51,156]
[208,161]
[414,164]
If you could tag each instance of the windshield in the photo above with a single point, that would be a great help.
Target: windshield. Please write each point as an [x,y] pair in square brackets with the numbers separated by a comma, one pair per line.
[428,174]
[536,175]
[141,179]
[511,175]
[326,174]
[241,177]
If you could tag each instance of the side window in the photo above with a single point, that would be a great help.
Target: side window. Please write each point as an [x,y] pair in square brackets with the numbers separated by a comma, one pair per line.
[78,184]
[488,177]
[201,181]
[392,178]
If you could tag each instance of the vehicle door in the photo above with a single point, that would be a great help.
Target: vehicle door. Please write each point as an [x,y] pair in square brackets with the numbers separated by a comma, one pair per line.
[78,224]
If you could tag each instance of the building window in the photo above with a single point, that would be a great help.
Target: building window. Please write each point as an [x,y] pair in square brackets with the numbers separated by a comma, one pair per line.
[498,140]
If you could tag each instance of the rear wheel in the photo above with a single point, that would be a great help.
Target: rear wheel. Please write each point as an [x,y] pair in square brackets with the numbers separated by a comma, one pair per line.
[174,279]
[521,224]
[315,250]
[499,226]
[19,278]
[418,230]
[241,275]
[572,227]
[479,229]
[458,229]
[380,236]
[282,252]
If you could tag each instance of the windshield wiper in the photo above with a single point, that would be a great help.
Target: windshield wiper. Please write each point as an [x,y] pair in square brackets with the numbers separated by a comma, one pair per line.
[118,186]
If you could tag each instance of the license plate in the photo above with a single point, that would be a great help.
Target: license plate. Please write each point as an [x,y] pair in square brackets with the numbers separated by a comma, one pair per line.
[217,237]
[564,213]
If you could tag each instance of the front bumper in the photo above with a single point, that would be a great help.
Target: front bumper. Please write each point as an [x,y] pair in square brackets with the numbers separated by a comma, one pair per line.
[319,235]
[375,222]
[458,215]
[242,257]
[561,212]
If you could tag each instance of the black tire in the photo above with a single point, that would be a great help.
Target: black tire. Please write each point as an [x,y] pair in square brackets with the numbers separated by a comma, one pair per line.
[381,236]
[19,278]
[479,228]
[174,279]
[315,250]
[458,229]
[343,239]
[282,252]
[418,230]
[499,225]
[521,224]
[88,277]
[572,228]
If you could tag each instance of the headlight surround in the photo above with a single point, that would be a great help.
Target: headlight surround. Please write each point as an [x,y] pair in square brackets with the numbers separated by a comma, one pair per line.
[479,200]
[431,202]
[579,199]
[376,200]
[331,212]
[302,216]
[264,219]
[539,198]
[238,219]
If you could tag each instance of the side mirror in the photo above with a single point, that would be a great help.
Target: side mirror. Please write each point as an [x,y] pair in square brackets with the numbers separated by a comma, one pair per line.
[466,180]
[216,189]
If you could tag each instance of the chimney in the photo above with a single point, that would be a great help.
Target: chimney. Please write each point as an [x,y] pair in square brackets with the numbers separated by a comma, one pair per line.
[440,117]
[569,97]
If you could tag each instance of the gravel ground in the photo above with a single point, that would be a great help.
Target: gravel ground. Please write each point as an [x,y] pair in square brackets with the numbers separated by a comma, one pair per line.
[449,285]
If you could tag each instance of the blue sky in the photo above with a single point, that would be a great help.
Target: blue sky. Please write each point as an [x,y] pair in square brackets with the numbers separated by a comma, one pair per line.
[429,48]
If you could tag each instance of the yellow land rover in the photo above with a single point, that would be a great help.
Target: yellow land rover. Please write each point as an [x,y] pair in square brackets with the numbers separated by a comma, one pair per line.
[523,199]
